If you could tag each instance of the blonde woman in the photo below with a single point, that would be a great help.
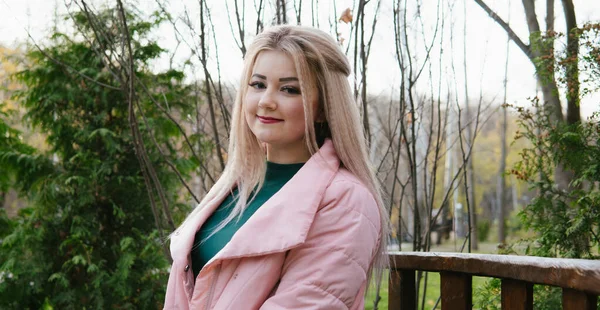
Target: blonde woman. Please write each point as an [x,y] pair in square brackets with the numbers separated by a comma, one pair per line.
[296,220]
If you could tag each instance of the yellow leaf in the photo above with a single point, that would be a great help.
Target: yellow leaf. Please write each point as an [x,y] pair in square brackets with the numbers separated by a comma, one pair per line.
[346,16]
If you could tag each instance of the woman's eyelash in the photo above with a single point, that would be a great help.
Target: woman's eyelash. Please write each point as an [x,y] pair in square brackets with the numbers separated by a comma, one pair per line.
[256,84]
[288,89]
[291,90]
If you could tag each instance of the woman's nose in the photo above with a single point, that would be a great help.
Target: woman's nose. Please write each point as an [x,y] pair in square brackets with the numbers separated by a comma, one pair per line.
[267,100]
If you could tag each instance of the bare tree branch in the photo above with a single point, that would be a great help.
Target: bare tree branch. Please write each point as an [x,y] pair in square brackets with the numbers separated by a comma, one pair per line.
[572,69]
[298,10]
[100,51]
[241,45]
[185,137]
[373,24]
[69,68]
[132,99]
[164,156]
[140,150]
[219,89]
[549,16]
[208,87]
[259,18]
[513,36]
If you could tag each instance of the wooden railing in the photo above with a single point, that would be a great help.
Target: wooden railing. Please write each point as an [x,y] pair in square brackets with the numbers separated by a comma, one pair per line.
[578,278]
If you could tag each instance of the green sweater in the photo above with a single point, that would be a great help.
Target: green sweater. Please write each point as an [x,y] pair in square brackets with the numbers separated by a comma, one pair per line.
[276,176]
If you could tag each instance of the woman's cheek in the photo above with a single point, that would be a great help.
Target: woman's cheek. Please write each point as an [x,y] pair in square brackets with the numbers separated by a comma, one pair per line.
[249,104]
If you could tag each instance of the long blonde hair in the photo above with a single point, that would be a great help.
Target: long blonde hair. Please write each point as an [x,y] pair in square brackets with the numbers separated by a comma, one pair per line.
[319,61]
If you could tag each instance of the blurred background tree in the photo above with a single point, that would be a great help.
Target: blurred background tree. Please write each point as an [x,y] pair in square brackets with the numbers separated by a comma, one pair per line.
[565,223]
[88,238]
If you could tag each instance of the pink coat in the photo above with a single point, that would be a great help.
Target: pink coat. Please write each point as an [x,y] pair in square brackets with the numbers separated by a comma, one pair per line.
[308,247]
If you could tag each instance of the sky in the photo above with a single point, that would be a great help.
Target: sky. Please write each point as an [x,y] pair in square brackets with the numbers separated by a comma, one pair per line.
[485,43]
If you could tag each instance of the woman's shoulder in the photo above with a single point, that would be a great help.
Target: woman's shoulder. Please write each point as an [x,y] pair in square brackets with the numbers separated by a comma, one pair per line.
[345,181]
[345,178]
[347,191]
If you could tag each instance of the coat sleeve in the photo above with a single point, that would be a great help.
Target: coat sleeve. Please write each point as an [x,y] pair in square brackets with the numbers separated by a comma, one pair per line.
[329,270]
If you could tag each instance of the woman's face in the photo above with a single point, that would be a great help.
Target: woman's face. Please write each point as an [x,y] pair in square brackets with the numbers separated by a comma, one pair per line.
[273,105]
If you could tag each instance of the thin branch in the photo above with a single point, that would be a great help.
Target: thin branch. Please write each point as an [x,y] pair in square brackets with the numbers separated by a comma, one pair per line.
[298,12]
[100,54]
[208,87]
[132,98]
[219,90]
[240,22]
[135,131]
[69,68]
[164,156]
[259,24]
[102,36]
[373,29]
[185,137]
[240,43]
[511,34]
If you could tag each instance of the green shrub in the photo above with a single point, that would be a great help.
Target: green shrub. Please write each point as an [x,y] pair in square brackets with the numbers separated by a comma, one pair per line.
[565,222]
[89,238]
[483,230]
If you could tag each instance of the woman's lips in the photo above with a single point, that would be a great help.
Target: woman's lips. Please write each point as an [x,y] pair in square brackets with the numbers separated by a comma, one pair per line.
[268,120]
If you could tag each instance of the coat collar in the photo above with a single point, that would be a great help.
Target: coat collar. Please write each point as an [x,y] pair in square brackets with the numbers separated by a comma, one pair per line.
[279,224]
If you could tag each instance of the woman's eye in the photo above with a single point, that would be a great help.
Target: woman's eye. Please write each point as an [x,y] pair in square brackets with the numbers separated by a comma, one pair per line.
[291,90]
[257,85]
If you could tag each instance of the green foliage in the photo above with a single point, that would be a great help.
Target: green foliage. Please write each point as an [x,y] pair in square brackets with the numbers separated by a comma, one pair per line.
[588,61]
[487,297]
[88,238]
[542,45]
[483,230]
[567,222]
[20,165]
[514,224]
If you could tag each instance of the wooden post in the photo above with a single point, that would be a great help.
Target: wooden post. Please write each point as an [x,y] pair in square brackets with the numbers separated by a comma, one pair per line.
[402,290]
[517,295]
[456,290]
[578,300]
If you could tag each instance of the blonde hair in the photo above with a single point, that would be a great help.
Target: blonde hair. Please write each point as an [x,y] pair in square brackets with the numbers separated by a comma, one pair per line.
[319,61]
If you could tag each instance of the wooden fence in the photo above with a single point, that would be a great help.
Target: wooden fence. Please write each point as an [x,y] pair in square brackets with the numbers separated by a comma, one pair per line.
[578,278]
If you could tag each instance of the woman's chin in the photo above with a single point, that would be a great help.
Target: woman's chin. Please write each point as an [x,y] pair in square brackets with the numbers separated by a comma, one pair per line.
[266,140]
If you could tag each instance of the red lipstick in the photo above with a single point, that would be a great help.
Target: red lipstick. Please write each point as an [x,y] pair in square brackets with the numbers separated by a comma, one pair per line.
[268,120]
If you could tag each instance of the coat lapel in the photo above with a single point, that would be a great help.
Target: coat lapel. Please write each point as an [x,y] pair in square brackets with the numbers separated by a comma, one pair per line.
[284,220]
[183,238]
[279,224]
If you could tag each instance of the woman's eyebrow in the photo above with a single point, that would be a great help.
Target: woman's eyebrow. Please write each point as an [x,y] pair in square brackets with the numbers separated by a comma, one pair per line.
[285,79]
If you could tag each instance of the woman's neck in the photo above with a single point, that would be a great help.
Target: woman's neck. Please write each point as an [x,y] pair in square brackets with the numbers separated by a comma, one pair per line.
[287,155]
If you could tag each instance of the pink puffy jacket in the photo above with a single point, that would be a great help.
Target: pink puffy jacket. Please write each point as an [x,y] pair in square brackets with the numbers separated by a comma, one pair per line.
[308,247]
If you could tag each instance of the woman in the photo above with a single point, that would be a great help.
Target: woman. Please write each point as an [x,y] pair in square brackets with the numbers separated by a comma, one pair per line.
[296,220]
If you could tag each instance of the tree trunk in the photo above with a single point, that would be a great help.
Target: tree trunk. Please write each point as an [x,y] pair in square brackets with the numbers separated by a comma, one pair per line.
[501,196]
[501,186]
[470,169]
[549,16]
[537,50]
[447,173]
[572,71]
[471,192]
[534,51]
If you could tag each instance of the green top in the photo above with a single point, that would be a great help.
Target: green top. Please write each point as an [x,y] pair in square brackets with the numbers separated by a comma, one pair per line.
[276,176]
